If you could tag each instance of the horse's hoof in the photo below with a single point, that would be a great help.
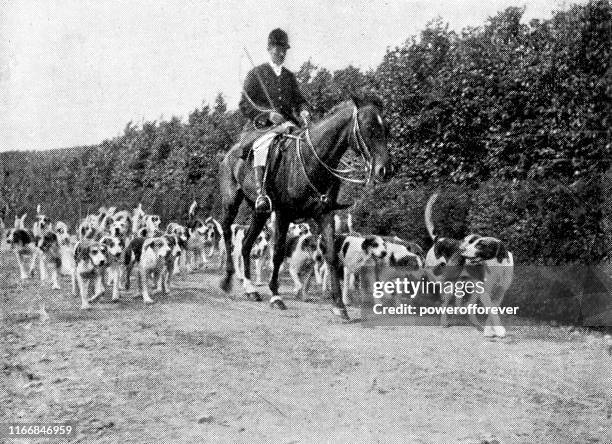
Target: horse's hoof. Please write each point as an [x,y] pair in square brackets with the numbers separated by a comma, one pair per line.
[341,313]
[254,296]
[279,304]
[226,283]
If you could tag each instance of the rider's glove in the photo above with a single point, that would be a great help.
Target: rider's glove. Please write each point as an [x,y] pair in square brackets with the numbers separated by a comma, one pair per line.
[305,115]
[276,118]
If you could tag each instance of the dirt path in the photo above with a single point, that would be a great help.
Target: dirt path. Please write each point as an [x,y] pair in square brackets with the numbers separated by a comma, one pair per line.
[200,367]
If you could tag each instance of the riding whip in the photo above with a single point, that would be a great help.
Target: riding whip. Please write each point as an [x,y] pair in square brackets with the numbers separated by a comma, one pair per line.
[261,83]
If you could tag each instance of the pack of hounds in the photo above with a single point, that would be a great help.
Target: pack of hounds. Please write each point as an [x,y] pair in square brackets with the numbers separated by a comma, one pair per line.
[108,246]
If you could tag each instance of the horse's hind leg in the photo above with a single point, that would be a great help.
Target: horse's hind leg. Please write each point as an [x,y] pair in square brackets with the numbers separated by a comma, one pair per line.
[333,265]
[255,228]
[230,210]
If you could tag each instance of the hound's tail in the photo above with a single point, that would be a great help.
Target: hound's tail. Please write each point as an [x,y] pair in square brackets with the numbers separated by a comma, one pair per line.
[428,222]
[192,209]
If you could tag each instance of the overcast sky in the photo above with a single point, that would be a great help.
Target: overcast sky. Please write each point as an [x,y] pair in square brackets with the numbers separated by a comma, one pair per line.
[74,72]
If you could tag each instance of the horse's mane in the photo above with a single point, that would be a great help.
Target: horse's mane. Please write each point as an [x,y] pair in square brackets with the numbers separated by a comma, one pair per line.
[336,107]
[361,99]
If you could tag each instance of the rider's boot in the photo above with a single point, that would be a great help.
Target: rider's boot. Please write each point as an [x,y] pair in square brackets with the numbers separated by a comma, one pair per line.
[263,204]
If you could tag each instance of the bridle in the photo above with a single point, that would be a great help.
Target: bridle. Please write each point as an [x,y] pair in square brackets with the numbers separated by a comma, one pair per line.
[362,149]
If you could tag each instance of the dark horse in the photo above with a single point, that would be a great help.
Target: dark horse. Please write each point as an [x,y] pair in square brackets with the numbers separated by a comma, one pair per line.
[305,185]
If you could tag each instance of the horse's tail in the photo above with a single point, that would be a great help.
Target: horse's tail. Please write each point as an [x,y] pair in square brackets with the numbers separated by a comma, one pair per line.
[428,222]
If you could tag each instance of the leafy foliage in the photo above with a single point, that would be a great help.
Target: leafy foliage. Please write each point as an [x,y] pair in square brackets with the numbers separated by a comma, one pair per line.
[516,116]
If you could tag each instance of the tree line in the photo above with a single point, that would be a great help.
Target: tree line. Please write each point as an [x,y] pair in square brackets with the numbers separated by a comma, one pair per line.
[511,119]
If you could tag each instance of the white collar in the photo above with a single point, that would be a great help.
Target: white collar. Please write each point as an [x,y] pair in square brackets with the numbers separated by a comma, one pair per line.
[276,68]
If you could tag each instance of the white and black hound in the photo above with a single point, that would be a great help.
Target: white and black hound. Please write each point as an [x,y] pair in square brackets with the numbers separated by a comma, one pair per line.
[23,245]
[90,258]
[354,251]
[151,256]
[260,249]
[300,252]
[474,258]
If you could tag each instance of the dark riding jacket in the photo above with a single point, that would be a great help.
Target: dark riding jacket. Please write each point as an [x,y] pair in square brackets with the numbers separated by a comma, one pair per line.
[283,90]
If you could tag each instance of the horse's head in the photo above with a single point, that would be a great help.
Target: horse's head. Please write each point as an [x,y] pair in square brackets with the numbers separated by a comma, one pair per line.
[369,135]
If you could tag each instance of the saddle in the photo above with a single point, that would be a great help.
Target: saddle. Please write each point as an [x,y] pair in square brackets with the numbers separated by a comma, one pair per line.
[249,136]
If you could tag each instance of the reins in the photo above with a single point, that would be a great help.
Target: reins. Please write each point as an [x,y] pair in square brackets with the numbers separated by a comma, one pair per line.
[363,150]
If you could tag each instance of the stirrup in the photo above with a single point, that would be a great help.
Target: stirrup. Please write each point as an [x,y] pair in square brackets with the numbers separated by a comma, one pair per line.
[263,204]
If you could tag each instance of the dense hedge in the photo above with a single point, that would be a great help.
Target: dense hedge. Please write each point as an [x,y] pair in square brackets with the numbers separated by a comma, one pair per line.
[515,115]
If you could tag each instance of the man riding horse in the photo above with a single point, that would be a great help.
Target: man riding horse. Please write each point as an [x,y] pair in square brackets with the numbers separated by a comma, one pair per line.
[306,175]
[271,98]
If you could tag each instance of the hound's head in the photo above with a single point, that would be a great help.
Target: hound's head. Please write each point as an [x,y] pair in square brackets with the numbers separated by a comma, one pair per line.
[113,245]
[158,246]
[61,229]
[87,231]
[152,222]
[174,245]
[48,241]
[261,244]
[374,246]
[181,233]
[119,228]
[483,249]
[87,251]
[211,231]
[300,229]
[197,226]
[42,224]
[122,215]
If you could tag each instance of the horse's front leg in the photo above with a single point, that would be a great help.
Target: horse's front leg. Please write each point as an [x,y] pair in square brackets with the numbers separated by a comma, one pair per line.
[255,228]
[282,225]
[333,266]
[229,214]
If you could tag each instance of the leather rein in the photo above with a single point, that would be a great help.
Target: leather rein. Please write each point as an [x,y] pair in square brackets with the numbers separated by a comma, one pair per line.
[362,149]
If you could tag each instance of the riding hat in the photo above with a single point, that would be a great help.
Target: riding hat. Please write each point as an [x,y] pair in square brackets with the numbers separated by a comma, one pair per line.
[278,37]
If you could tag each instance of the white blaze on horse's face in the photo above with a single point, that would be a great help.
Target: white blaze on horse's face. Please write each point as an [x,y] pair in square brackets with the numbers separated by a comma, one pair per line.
[377,144]
[380,120]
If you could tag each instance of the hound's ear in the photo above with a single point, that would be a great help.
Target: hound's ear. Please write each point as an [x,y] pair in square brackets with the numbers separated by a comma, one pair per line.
[50,237]
[345,247]
[368,242]
[453,268]
[502,253]
[81,253]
